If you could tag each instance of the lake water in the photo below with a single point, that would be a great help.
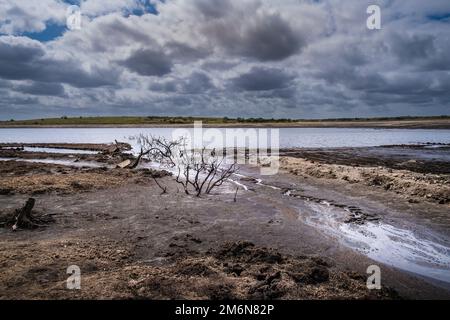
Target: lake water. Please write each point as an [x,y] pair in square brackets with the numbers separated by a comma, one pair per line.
[289,137]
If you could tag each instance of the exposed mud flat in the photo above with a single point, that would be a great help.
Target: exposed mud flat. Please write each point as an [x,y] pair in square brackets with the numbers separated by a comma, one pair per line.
[231,271]
[380,232]
[132,242]
[98,147]
[37,178]
[67,153]
[430,158]
[240,270]
[416,180]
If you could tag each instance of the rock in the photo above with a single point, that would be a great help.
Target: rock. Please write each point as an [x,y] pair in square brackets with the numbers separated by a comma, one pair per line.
[124,164]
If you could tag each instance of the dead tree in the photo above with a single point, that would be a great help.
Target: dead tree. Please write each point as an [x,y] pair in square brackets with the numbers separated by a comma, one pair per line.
[198,171]
[136,162]
[157,149]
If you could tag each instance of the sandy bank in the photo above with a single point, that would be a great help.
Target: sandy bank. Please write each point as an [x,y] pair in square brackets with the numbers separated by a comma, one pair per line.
[416,187]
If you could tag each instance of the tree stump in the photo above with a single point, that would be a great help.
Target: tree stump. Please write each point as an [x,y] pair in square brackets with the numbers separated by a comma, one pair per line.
[23,218]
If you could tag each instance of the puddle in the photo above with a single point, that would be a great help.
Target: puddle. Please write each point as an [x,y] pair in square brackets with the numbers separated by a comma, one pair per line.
[71,163]
[59,150]
[397,247]
[51,150]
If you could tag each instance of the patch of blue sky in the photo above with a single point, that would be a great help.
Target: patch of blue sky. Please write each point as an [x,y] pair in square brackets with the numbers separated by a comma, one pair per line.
[54,30]
[444,17]
[51,32]
[144,7]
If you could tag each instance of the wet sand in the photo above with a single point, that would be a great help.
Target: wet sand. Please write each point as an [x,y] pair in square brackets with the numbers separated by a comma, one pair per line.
[132,242]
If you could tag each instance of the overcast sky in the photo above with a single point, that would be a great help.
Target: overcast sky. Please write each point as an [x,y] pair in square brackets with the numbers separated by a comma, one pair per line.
[235,58]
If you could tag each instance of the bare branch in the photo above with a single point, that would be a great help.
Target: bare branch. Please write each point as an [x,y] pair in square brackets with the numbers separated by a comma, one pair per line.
[199,170]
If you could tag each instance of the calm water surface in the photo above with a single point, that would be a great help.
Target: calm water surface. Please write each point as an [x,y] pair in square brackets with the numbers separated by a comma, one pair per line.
[289,137]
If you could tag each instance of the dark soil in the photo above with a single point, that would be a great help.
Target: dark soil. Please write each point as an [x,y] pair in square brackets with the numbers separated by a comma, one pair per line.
[131,242]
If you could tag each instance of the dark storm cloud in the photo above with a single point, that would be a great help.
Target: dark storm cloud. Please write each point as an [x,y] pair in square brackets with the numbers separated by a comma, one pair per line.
[166,87]
[14,51]
[218,65]
[17,57]
[284,93]
[213,9]
[408,48]
[4,84]
[184,52]
[42,89]
[237,58]
[181,101]
[26,60]
[148,62]
[374,88]
[7,100]
[262,79]
[122,34]
[414,90]
[198,82]
[265,38]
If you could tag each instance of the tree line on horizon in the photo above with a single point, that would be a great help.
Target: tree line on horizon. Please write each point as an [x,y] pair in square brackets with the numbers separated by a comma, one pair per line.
[190,119]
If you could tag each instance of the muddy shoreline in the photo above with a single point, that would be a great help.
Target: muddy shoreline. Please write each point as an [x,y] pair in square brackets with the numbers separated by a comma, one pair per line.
[146,245]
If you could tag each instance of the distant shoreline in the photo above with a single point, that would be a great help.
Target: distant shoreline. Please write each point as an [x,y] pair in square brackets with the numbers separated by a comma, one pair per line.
[442,122]
[363,125]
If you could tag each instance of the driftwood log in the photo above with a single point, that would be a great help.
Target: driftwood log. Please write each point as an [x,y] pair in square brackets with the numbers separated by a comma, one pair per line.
[116,147]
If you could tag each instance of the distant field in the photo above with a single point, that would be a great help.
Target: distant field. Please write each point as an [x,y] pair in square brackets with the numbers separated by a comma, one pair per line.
[441,122]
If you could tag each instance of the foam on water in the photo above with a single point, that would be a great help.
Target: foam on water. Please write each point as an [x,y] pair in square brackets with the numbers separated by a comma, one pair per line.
[400,248]
[243,186]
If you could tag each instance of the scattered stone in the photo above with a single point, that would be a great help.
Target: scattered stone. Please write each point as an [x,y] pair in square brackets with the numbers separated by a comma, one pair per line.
[124,164]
